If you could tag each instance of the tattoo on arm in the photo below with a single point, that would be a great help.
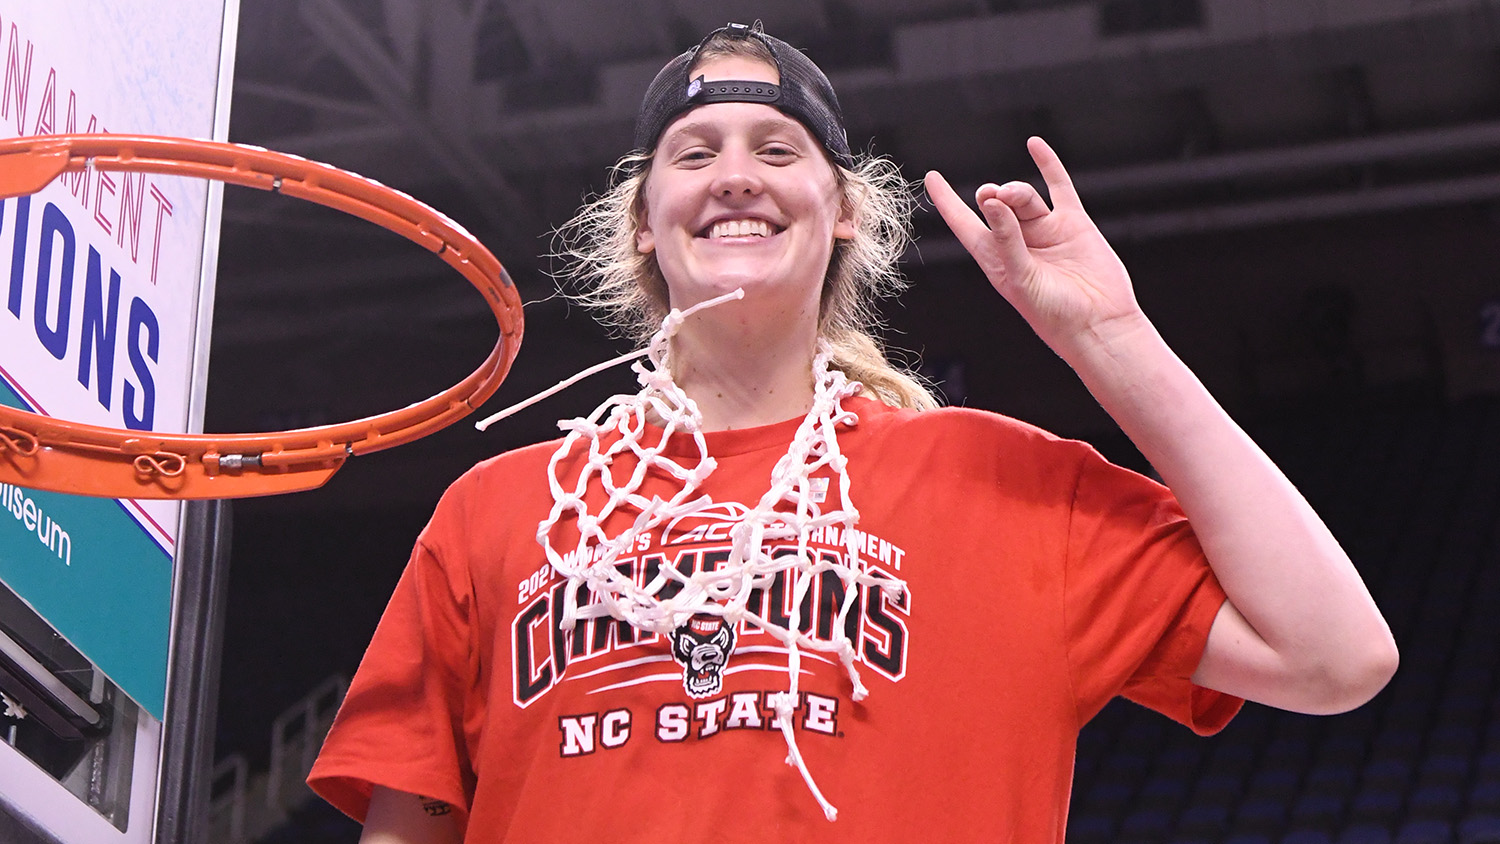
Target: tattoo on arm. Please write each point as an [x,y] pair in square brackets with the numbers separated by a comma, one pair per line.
[434,807]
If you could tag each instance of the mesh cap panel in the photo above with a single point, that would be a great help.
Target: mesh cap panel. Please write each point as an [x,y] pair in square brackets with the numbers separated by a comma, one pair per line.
[804,93]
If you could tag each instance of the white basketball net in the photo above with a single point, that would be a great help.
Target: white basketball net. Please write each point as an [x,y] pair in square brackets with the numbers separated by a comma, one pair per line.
[725,591]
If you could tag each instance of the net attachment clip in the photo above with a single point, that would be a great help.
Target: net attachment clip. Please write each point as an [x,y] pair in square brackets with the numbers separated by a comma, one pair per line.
[238,462]
[18,441]
[164,463]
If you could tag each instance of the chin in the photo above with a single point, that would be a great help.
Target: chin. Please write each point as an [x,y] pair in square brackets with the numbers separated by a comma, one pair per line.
[757,288]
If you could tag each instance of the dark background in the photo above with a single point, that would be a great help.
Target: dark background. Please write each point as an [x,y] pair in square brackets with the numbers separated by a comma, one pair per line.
[1305,193]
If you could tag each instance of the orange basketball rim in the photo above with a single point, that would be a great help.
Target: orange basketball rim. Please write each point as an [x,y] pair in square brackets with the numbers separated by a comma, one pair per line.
[41,452]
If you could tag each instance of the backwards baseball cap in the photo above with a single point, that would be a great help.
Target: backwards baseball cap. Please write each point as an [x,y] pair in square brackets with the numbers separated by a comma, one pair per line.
[804,93]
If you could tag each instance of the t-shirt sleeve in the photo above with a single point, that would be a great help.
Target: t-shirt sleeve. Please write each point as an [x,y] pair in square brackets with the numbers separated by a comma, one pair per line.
[1139,599]
[401,725]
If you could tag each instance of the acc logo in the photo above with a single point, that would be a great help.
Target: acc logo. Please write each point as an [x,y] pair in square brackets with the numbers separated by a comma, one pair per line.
[703,646]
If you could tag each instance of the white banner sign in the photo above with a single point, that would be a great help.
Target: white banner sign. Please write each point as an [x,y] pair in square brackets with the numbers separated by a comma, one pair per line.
[104,287]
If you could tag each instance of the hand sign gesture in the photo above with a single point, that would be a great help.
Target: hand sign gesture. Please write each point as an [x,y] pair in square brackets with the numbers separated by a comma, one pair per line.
[1052,265]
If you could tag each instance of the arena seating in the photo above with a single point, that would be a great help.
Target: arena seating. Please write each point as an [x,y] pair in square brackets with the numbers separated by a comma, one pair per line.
[1413,492]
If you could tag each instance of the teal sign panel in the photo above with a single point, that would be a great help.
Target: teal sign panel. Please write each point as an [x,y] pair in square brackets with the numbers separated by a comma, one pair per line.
[88,568]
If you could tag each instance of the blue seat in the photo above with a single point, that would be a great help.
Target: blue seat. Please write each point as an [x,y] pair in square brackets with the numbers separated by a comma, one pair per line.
[1444,768]
[1425,831]
[1289,750]
[1141,737]
[1488,764]
[1331,779]
[1479,829]
[1365,833]
[1484,797]
[1107,798]
[1219,788]
[1084,828]
[1181,759]
[1342,749]
[1307,836]
[1231,759]
[1390,773]
[1162,792]
[1261,814]
[1146,824]
[1125,766]
[1275,782]
[1318,811]
[1205,819]
[1454,735]
[1434,802]
[1376,806]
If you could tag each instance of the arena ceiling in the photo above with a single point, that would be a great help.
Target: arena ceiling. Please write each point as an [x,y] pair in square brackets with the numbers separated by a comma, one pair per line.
[1177,116]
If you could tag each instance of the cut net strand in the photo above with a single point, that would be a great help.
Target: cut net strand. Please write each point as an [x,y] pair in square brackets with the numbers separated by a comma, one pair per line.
[772,539]
[485,423]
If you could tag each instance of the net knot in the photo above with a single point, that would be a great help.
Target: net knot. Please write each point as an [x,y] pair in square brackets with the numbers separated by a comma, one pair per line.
[21,442]
[164,463]
[785,703]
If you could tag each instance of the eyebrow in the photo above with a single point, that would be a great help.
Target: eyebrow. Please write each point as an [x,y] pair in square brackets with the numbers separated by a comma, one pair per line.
[700,128]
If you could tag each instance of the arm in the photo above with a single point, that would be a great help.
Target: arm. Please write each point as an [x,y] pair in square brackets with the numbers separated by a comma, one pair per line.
[1299,630]
[396,817]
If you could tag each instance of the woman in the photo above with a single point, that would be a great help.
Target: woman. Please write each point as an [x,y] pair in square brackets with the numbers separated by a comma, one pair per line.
[594,638]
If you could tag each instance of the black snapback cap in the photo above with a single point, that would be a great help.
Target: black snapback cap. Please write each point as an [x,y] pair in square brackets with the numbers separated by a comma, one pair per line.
[804,93]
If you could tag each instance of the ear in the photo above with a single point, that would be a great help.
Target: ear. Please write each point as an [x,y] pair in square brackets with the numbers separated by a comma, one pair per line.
[847,225]
[645,239]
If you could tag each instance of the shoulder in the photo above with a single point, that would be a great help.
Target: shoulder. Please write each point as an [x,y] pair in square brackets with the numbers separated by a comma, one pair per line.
[508,464]
[516,478]
[972,452]
[964,428]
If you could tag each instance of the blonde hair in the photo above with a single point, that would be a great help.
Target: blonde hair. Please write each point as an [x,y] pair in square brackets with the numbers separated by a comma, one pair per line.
[608,273]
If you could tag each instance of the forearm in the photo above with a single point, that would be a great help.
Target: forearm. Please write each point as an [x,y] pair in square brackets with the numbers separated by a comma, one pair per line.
[1316,641]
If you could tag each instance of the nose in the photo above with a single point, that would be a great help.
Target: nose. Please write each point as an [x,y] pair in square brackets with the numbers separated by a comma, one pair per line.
[736,175]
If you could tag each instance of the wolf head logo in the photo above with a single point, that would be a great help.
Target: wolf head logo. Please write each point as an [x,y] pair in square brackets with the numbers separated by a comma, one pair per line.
[703,646]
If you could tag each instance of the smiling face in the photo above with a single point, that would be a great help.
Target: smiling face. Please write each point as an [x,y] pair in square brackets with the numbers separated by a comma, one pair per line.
[742,195]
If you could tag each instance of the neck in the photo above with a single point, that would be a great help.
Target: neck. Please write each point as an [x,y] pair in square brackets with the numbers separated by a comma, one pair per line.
[740,381]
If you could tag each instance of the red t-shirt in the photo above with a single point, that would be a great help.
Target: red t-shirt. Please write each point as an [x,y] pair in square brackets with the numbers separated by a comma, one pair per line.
[1042,581]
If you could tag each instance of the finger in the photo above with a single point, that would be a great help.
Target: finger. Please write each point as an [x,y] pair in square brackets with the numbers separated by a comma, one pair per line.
[998,246]
[1022,197]
[1059,183]
[1007,236]
[966,225]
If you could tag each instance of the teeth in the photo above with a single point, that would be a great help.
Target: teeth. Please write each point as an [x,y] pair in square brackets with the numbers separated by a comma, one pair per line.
[740,228]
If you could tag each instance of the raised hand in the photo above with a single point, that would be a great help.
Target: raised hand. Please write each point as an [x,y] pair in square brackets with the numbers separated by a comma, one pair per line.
[1051,264]
[1300,630]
